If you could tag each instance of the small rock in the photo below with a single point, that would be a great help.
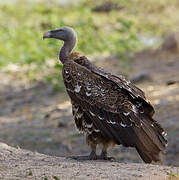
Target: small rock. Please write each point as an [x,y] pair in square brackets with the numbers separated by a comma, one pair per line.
[168,83]
[47,115]
[61,124]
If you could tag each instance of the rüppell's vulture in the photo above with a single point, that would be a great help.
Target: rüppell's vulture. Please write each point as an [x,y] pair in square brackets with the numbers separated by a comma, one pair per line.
[108,108]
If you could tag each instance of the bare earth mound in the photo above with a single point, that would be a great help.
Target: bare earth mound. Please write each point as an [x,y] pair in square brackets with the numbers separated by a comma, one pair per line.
[16,163]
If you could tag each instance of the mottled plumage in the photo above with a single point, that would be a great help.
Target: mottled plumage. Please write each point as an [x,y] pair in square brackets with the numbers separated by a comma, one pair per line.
[111,110]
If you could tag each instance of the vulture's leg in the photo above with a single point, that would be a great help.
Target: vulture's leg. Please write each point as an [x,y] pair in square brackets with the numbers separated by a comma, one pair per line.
[93,155]
[103,154]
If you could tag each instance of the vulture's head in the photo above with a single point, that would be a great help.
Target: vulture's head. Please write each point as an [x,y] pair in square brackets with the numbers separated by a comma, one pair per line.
[64,34]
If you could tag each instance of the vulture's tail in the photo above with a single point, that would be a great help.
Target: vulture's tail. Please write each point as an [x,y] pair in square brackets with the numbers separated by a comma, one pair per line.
[150,140]
[145,134]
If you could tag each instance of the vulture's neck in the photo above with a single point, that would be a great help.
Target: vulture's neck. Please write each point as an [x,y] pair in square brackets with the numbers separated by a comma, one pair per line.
[66,50]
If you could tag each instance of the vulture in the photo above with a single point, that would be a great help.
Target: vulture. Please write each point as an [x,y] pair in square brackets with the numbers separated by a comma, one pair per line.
[107,108]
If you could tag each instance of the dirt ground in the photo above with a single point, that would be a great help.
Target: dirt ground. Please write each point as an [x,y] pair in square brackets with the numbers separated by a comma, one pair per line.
[36,118]
[22,164]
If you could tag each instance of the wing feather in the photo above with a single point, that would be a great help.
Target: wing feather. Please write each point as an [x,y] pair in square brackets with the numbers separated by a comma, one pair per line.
[134,92]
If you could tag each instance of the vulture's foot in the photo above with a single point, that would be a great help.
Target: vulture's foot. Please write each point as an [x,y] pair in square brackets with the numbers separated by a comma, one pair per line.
[104,156]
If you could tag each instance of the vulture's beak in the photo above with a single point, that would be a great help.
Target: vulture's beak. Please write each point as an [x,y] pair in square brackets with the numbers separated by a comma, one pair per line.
[48,34]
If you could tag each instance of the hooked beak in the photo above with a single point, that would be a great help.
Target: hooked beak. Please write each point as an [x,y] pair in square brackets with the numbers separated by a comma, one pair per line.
[48,34]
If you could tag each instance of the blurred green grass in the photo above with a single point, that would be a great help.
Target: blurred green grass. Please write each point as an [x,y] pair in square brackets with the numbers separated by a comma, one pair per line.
[100,33]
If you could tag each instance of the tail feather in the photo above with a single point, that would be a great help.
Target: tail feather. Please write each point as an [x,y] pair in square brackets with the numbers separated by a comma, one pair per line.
[149,157]
[155,133]
[150,141]
[145,156]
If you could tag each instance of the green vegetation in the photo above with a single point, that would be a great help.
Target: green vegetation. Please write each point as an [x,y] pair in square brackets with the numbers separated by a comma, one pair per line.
[173,176]
[56,178]
[100,33]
